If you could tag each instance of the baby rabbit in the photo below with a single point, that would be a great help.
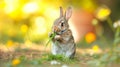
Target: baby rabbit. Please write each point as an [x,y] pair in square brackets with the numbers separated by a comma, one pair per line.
[63,42]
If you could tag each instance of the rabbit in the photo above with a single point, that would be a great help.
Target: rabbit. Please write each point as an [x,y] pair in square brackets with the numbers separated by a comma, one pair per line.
[63,42]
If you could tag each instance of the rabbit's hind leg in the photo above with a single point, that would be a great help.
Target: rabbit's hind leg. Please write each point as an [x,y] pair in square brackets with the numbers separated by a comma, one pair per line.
[71,52]
[55,49]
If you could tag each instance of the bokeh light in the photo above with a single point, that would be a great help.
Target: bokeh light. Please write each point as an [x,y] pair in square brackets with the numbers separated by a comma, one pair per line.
[11,5]
[90,37]
[40,26]
[103,12]
[24,28]
[30,7]
[15,62]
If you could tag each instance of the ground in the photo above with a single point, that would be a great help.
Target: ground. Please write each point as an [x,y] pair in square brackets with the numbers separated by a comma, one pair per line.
[32,57]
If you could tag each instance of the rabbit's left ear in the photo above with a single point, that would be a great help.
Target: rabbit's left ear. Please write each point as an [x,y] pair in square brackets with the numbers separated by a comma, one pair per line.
[68,13]
[61,11]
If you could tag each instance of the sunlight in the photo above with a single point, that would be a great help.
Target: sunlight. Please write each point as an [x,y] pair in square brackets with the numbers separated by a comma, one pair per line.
[30,7]
[10,5]
[40,26]
[52,13]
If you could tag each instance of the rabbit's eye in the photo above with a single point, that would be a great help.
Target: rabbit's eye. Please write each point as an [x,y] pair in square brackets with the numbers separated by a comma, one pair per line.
[62,24]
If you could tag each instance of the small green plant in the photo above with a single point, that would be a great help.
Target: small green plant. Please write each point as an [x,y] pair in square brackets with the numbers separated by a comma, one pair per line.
[50,38]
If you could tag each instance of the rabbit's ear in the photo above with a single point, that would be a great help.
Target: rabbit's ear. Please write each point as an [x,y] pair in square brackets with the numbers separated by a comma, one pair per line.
[68,13]
[61,11]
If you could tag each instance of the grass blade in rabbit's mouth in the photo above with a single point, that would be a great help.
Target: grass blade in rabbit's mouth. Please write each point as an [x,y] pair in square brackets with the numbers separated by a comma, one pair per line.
[50,38]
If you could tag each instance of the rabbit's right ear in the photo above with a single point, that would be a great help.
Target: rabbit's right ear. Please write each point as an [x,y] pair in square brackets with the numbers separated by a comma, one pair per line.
[68,13]
[61,11]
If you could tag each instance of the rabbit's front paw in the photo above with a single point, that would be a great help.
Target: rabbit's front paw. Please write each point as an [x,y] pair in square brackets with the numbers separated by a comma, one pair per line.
[58,37]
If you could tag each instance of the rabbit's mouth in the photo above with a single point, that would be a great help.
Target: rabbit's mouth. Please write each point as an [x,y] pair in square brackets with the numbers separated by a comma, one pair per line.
[57,30]
[61,32]
[58,33]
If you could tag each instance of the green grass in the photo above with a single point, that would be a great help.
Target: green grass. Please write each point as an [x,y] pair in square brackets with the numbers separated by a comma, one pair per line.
[61,58]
